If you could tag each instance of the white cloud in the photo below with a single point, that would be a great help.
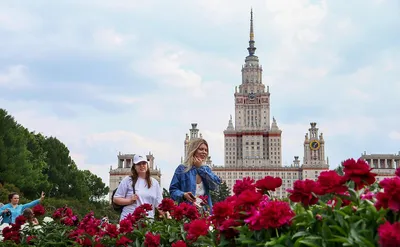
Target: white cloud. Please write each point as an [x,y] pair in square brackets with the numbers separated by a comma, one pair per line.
[109,38]
[395,135]
[17,20]
[129,142]
[15,76]
[165,64]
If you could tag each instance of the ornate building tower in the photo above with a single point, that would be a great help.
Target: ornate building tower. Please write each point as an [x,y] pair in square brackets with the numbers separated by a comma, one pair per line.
[252,142]
[253,145]
[314,153]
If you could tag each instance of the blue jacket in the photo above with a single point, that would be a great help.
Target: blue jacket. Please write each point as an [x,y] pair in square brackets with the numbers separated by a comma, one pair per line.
[186,182]
[17,211]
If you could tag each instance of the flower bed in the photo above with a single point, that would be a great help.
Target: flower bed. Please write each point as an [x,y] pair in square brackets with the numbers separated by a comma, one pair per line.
[348,210]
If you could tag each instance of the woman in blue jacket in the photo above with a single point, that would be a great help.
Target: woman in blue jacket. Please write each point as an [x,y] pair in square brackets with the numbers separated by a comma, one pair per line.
[193,178]
[12,210]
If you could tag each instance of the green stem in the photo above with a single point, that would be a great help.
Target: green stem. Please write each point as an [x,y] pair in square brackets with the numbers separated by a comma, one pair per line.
[277,233]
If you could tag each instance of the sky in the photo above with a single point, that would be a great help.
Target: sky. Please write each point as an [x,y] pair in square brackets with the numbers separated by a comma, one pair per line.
[131,76]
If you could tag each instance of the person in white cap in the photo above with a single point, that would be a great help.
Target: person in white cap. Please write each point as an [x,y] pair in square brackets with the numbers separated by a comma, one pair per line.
[138,189]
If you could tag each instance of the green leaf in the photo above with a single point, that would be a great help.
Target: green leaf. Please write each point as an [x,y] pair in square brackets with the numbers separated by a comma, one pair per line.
[338,239]
[309,243]
[339,229]
[300,234]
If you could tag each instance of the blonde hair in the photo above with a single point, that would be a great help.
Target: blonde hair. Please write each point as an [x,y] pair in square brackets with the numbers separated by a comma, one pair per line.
[194,144]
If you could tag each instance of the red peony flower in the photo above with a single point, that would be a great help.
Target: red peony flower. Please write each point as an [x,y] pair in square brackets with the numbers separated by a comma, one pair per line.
[390,197]
[111,230]
[269,183]
[39,210]
[303,192]
[330,182]
[227,228]
[221,211]
[367,195]
[179,243]
[125,225]
[389,234]
[242,185]
[272,214]
[152,240]
[20,220]
[141,211]
[187,210]
[167,204]
[123,241]
[30,240]
[67,221]
[248,198]
[196,228]
[359,172]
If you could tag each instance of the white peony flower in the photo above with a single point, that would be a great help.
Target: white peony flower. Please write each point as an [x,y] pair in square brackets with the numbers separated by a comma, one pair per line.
[2,226]
[24,225]
[38,227]
[48,219]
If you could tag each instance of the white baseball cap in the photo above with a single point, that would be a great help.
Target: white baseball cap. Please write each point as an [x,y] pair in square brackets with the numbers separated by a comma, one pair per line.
[138,158]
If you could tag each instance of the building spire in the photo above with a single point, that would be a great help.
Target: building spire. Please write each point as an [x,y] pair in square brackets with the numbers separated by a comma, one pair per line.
[251,47]
[251,26]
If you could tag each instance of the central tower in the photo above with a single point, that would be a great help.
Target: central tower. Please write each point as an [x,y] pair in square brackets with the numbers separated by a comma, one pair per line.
[252,141]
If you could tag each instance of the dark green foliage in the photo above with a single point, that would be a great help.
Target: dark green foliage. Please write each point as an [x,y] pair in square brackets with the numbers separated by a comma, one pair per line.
[221,194]
[31,163]
[165,193]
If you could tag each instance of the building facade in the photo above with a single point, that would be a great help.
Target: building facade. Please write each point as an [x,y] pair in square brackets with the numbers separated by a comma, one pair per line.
[123,169]
[383,164]
[253,144]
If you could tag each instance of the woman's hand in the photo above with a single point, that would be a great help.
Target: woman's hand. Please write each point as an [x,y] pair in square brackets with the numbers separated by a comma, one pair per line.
[134,198]
[189,197]
[42,196]
[197,161]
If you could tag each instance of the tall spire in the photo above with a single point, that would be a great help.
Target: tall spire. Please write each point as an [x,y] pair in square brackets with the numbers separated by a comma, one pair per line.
[251,26]
[251,47]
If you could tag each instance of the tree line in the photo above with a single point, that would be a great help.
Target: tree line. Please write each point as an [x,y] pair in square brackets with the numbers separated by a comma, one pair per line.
[31,162]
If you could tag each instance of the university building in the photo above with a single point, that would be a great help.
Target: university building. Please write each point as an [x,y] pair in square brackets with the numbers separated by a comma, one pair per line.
[253,144]
[383,164]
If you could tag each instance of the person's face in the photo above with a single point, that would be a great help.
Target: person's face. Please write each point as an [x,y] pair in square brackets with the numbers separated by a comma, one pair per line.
[141,168]
[201,152]
[15,199]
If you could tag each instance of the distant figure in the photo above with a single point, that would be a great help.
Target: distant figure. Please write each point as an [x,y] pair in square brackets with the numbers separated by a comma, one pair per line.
[30,216]
[12,210]
[138,189]
[104,219]
[193,178]
[1,215]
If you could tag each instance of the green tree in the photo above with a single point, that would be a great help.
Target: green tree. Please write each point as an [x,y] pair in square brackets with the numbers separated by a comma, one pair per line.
[21,157]
[95,186]
[339,169]
[221,193]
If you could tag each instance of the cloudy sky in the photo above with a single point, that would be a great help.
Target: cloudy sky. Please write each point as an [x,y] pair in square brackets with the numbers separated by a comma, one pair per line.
[131,76]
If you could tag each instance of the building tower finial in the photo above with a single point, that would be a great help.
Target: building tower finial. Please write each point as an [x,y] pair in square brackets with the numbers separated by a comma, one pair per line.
[251,26]
[251,47]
